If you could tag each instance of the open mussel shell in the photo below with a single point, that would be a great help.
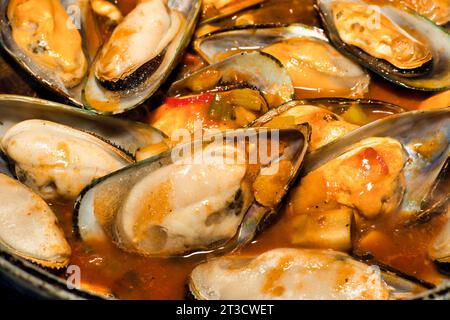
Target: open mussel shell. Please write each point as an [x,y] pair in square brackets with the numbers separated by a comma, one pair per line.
[434,38]
[226,9]
[214,45]
[425,137]
[201,197]
[33,147]
[110,97]
[339,106]
[255,70]
[313,64]
[127,135]
[41,72]
[288,273]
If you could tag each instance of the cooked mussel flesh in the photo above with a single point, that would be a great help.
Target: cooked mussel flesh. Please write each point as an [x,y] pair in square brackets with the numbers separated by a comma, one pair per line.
[393,41]
[287,273]
[29,228]
[212,198]
[381,38]
[43,30]
[57,161]
[139,55]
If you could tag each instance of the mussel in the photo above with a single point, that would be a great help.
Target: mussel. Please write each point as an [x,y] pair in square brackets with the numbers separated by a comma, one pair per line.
[139,55]
[388,169]
[209,195]
[287,273]
[313,64]
[396,43]
[57,150]
[62,50]
[29,228]
[383,41]
[439,250]
[126,135]
[46,41]
[57,161]
[255,70]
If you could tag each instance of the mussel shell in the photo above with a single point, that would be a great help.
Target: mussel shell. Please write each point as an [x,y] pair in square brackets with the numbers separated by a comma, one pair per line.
[335,105]
[437,201]
[36,147]
[252,37]
[279,12]
[41,75]
[133,91]
[127,135]
[254,69]
[115,188]
[435,38]
[29,227]
[297,47]
[295,273]
[429,130]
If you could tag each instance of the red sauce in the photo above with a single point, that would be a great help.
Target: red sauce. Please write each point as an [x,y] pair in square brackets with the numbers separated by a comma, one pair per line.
[402,248]
[381,89]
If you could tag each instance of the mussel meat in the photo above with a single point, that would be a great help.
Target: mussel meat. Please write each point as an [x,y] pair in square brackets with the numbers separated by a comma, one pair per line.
[329,118]
[46,34]
[386,168]
[29,228]
[57,161]
[382,39]
[313,64]
[212,198]
[289,274]
[139,55]
[435,10]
